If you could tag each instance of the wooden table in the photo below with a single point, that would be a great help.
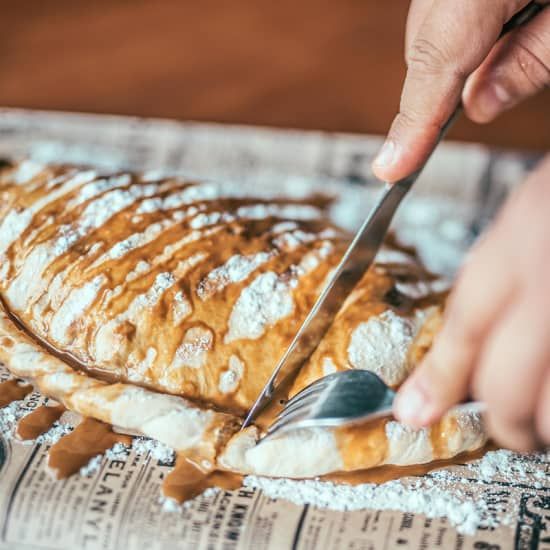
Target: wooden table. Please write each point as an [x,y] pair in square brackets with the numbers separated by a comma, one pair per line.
[305,64]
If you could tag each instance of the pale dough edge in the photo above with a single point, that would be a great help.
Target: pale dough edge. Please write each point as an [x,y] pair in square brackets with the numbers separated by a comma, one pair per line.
[201,433]
[169,419]
[319,451]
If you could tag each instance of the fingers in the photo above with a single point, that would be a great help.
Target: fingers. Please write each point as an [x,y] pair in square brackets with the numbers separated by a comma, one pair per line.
[484,289]
[511,371]
[495,336]
[516,68]
[450,44]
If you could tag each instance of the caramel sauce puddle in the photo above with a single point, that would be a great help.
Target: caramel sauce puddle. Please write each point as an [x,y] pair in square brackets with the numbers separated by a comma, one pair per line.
[38,422]
[382,474]
[90,438]
[11,391]
[187,480]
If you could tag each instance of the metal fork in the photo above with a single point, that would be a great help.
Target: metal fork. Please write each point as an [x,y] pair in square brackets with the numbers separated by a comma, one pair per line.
[343,398]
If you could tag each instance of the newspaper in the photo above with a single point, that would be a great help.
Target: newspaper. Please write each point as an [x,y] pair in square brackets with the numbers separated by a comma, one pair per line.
[117,504]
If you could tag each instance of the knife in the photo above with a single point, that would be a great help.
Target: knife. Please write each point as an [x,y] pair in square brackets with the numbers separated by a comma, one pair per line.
[353,265]
[355,262]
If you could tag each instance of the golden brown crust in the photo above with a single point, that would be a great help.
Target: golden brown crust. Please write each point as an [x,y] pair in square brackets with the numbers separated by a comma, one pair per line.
[147,303]
[170,419]
[185,287]
[375,316]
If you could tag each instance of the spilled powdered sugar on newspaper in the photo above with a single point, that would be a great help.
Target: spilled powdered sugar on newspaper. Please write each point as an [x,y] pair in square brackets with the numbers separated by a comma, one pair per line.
[461,493]
[464,494]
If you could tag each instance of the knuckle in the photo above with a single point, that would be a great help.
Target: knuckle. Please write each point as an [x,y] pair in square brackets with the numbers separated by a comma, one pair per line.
[505,403]
[509,415]
[518,441]
[533,68]
[409,118]
[424,56]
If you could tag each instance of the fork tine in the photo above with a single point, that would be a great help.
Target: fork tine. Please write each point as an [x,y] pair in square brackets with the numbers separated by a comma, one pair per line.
[298,407]
[302,395]
[283,420]
[274,428]
[318,385]
[296,404]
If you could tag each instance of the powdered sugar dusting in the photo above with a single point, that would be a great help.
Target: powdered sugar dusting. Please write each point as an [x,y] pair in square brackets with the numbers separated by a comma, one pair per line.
[159,451]
[193,350]
[229,379]
[236,269]
[506,464]
[118,451]
[169,505]
[381,345]
[261,304]
[97,212]
[181,307]
[13,412]
[54,434]
[92,467]
[421,289]
[285,211]
[96,187]
[26,171]
[9,416]
[466,515]
[464,494]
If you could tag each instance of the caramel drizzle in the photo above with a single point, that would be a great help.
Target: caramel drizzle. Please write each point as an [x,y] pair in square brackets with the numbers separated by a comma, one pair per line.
[218,240]
[90,438]
[38,422]
[187,480]
[12,390]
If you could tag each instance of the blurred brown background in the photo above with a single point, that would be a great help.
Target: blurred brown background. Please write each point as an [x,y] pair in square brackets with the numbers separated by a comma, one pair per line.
[323,64]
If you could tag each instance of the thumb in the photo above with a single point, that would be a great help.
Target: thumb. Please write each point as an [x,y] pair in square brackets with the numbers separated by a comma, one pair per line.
[517,68]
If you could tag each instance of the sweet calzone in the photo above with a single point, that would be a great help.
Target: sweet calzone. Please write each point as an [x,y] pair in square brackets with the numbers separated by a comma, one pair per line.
[162,305]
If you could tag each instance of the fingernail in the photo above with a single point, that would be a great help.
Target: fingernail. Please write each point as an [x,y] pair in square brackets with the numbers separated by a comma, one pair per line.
[493,98]
[502,94]
[412,406]
[386,156]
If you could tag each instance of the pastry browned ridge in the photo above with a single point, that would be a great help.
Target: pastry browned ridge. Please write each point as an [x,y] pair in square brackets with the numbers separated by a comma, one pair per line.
[161,305]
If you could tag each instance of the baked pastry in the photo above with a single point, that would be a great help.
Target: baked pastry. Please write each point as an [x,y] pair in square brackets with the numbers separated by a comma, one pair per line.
[161,306]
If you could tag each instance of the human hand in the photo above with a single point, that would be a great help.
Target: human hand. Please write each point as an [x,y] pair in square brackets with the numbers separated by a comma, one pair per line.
[452,52]
[495,340]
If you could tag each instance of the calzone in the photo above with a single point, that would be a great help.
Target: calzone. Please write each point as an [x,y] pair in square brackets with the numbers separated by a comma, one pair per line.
[161,305]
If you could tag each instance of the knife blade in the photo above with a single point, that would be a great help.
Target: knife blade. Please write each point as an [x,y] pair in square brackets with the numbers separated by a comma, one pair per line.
[353,265]
[356,260]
